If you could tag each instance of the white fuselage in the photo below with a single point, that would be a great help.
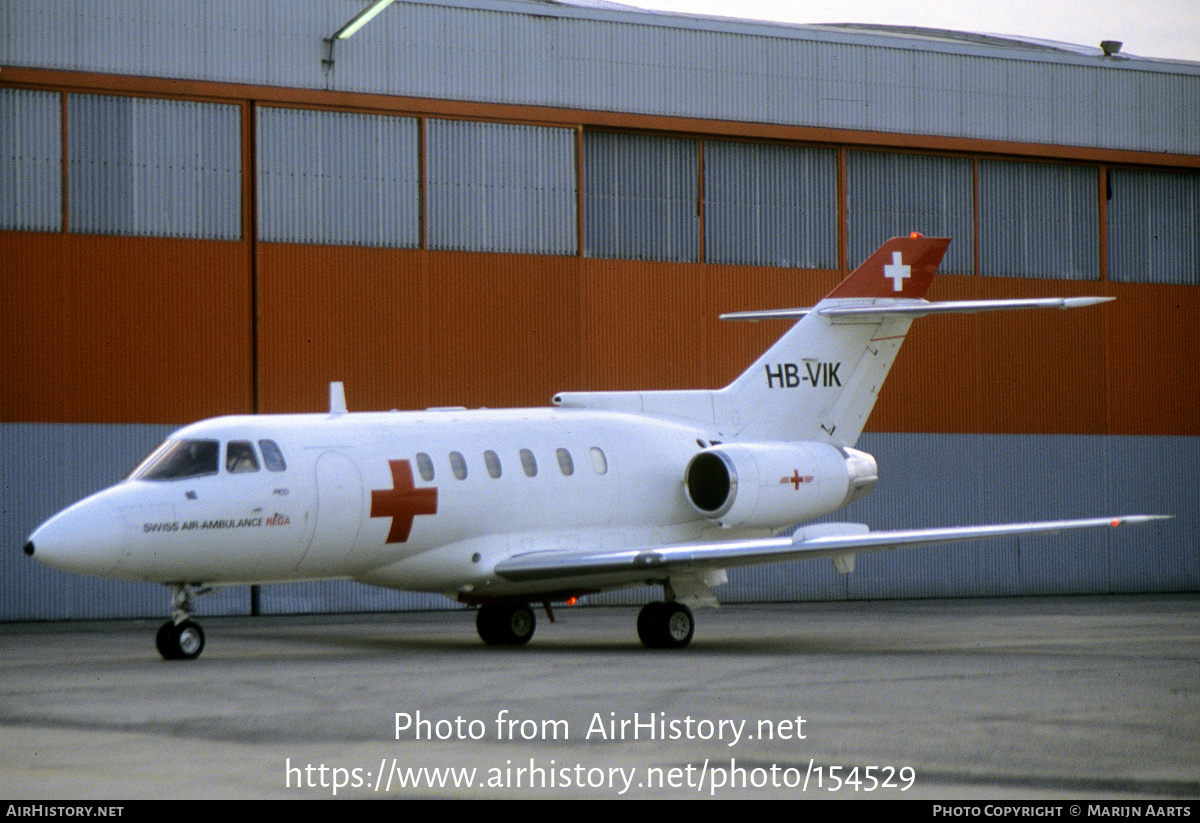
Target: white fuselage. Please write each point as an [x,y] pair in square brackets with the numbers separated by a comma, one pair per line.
[531,480]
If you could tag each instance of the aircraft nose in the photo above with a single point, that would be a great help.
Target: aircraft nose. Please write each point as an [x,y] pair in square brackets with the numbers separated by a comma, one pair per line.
[88,538]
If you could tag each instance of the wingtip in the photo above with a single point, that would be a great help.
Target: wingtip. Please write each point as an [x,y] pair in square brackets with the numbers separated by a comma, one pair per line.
[1131,519]
[1077,302]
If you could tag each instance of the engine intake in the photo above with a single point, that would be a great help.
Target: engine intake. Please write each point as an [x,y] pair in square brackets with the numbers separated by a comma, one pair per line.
[768,485]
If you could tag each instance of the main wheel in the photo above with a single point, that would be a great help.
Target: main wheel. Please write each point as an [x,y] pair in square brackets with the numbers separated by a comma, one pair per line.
[505,624]
[183,641]
[665,625]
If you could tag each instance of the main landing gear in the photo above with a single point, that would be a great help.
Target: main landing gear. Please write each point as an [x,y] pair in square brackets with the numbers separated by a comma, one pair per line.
[505,624]
[180,638]
[659,625]
[665,625]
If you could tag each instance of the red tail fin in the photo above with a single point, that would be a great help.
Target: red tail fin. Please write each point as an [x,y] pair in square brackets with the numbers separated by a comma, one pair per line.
[902,267]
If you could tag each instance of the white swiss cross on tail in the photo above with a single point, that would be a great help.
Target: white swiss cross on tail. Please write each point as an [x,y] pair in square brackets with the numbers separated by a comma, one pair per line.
[897,272]
[907,264]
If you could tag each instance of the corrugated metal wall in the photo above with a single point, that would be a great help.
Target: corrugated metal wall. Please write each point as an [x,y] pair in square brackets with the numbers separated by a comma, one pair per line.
[338,178]
[640,197]
[228,249]
[1039,220]
[154,168]
[1154,227]
[31,143]
[502,187]
[891,194]
[544,55]
[770,205]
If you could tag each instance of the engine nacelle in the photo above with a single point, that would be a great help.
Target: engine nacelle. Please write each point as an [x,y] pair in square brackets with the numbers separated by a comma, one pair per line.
[765,485]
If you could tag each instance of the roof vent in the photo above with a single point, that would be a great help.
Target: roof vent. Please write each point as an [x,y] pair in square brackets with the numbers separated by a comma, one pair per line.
[1110,47]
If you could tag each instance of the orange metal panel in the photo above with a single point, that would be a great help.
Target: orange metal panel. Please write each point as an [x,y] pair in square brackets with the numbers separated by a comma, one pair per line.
[504,329]
[124,330]
[339,313]
[1153,367]
[1016,372]
[643,325]
[409,329]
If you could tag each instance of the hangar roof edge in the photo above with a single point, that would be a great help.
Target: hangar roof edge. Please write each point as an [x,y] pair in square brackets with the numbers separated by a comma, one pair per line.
[940,40]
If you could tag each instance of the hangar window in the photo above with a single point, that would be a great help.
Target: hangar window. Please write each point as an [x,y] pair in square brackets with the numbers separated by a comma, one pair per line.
[180,458]
[425,466]
[458,465]
[565,464]
[240,457]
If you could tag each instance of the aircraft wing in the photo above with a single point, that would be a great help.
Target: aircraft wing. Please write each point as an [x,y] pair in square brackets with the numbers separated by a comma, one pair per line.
[836,540]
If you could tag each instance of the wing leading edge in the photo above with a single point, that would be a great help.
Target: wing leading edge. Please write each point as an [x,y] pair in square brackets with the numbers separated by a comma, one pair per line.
[840,541]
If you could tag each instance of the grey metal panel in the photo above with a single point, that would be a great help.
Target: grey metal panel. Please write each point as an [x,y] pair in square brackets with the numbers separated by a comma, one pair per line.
[1039,220]
[770,205]
[541,54]
[30,160]
[891,194]
[501,187]
[1153,227]
[640,197]
[1157,475]
[345,596]
[150,167]
[338,178]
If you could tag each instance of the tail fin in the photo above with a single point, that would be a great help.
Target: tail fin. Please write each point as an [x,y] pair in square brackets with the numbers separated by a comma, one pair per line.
[820,380]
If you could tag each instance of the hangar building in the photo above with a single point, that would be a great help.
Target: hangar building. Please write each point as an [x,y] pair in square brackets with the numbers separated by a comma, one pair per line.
[211,208]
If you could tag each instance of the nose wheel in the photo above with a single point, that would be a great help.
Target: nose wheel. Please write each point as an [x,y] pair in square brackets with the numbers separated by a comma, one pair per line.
[665,625]
[181,638]
[180,641]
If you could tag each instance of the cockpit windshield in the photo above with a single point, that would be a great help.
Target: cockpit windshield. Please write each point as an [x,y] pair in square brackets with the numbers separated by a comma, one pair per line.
[180,458]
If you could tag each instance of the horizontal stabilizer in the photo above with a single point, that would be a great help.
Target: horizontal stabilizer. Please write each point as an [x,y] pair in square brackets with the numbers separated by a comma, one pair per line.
[822,540]
[919,308]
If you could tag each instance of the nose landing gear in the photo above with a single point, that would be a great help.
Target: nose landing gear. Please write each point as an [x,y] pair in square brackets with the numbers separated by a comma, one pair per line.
[181,638]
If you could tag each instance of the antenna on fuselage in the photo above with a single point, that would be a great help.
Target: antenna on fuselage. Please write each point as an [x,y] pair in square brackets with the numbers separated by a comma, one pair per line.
[337,399]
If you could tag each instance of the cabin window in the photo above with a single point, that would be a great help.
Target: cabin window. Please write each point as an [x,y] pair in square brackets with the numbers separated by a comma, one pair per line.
[565,463]
[425,467]
[492,461]
[599,461]
[528,463]
[240,457]
[458,465]
[180,458]
[272,456]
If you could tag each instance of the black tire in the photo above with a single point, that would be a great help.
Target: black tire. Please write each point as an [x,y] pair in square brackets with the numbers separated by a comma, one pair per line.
[666,625]
[183,641]
[505,624]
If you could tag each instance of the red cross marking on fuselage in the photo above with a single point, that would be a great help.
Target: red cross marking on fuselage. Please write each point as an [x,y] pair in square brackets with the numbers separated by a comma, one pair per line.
[795,479]
[402,502]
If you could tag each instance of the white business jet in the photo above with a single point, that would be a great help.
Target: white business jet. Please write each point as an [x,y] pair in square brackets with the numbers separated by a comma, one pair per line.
[503,508]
